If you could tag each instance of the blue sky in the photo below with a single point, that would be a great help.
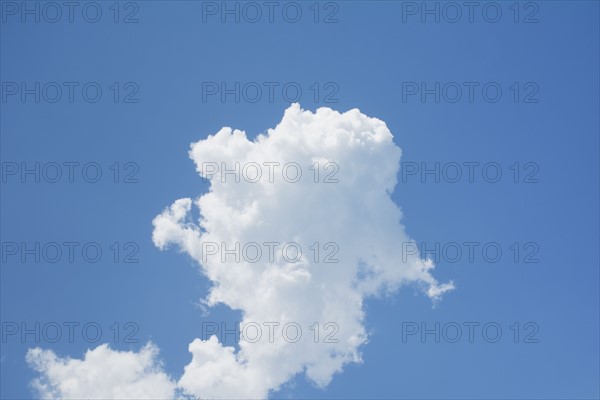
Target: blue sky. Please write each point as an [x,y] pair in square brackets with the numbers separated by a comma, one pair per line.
[369,57]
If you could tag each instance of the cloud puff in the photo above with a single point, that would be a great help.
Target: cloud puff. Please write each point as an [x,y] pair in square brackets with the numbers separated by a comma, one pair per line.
[103,373]
[352,211]
[321,181]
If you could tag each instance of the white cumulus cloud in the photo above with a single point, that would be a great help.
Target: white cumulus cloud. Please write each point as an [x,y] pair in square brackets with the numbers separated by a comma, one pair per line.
[103,373]
[343,214]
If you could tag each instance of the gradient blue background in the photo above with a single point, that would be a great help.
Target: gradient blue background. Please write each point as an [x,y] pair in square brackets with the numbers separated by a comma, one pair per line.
[368,53]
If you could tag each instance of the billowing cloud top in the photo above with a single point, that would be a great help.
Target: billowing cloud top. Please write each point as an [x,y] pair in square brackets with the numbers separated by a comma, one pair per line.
[298,227]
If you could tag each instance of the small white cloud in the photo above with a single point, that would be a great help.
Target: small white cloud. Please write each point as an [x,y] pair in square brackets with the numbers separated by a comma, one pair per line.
[103,373]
